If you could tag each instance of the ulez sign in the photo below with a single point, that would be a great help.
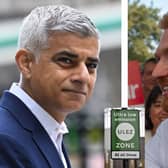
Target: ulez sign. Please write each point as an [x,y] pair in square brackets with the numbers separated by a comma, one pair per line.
[125,134]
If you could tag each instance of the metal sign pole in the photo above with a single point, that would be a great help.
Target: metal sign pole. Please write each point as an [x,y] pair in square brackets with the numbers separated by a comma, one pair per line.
[125,163]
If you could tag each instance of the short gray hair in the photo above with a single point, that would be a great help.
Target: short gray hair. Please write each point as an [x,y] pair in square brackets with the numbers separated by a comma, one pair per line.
[43,21]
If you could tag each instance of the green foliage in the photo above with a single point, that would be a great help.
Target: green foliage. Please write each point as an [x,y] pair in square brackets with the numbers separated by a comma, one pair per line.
[143,31]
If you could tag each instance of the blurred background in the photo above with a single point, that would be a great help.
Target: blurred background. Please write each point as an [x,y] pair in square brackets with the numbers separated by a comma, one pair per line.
[85,140]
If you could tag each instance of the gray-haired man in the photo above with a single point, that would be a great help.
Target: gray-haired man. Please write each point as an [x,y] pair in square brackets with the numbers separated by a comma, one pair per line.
[58,54]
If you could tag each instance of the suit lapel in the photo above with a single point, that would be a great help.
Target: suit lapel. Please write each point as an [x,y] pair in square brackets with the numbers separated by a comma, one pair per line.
[66,156]
[48,149]
[27,120]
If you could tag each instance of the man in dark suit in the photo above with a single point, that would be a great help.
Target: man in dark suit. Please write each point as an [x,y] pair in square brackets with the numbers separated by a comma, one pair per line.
[58,54]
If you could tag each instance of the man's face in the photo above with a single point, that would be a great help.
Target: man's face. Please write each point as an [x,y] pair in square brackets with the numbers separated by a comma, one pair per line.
[148,80]
[64,76]
[161,69]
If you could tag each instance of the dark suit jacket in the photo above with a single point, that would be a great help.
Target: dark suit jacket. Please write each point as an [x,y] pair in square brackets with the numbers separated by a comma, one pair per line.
[23,141]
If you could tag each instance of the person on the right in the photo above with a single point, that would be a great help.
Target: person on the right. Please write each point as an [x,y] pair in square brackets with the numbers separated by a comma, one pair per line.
[156,151]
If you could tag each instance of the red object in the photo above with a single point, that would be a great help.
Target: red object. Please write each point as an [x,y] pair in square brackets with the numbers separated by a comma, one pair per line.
[135,91]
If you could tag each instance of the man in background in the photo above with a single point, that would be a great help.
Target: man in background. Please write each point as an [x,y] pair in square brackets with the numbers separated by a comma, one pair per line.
[148,81]
[58,55]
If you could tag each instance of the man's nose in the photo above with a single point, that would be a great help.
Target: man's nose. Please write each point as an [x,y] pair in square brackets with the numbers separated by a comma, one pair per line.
[81,74]
[160,70]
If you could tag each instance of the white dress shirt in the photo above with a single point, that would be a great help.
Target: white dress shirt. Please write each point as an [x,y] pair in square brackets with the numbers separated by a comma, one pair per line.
[156,150]
[54,129]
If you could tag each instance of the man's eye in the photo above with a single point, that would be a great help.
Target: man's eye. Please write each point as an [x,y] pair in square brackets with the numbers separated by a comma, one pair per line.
[65,60]
[92,65]
[157,59]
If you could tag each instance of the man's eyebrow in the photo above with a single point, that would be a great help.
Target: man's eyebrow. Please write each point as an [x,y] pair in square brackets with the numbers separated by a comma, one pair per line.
[166,50]
[73,55]
[96,60]
[67,53]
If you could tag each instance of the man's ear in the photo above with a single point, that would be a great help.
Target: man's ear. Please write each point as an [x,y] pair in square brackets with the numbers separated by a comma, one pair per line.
[24,60]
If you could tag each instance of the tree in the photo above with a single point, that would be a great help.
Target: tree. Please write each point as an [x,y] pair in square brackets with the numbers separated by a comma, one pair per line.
[143,31]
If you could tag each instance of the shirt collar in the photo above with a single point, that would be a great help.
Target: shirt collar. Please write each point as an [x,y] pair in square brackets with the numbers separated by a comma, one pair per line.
[46,120]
